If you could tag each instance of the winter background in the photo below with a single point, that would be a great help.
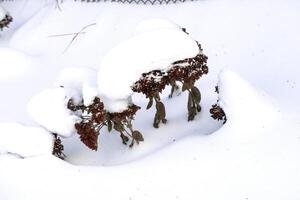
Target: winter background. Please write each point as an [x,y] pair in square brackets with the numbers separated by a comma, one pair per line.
[253,55]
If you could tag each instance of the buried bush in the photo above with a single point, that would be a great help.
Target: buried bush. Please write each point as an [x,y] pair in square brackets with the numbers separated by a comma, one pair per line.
[112,105]
[94,116]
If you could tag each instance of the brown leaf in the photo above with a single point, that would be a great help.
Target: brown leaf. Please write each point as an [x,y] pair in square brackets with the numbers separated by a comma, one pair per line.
[137,136]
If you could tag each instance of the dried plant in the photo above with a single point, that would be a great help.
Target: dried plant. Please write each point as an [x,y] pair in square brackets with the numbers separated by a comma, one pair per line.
[218,113]
[58,147]
[94,117]
[151,84]
[187,72]
[5,21]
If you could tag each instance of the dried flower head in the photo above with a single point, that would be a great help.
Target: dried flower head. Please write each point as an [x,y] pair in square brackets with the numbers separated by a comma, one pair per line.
[151,83]
[58,147]
[94,117]
[88,134]
[218,113]
[5,21]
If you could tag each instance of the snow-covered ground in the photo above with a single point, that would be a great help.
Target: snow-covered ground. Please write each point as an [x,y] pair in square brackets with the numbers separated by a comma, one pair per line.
[252,48]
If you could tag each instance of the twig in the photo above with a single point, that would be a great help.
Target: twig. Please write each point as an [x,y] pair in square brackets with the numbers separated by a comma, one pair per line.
[65,34]
[58,6]
[76,35]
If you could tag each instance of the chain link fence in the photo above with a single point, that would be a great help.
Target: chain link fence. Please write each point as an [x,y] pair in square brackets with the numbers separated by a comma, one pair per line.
[150,2]
[145,2]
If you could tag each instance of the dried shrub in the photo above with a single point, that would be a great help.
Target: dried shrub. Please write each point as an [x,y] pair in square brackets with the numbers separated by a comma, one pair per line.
[58,147]
[5,21]
[94,117]
[187,72]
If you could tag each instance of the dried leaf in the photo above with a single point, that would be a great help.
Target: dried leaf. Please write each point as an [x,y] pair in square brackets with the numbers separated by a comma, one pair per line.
[124,138]
[192,114]
[156,121]
[196,94]
[137,136]
[184,87]
[119,127]
[199,108]
[109,125]
[150,103]
[131,144]
[160,107]
[190,102]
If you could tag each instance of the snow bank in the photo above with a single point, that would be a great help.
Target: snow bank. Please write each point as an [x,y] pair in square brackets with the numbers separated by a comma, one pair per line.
[125,63]
[24,141]
[13,63]
[81,80]
[238,98]
[49,109]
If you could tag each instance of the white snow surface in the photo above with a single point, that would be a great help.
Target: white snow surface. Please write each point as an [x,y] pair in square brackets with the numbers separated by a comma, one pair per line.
[2,13]
[82,80]
[254,156]
[24,141]
[155,24]
[49,109]
[13,63]
[125,63]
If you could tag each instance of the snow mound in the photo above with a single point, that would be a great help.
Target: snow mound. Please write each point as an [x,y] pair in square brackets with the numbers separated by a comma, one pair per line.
[49,109]
[242,103]
[13,63]
[155,24]
[24,141]
[82,80]
[124,64]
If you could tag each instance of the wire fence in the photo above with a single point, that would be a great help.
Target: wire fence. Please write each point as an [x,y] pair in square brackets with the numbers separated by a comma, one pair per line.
[145,2]
[151,2]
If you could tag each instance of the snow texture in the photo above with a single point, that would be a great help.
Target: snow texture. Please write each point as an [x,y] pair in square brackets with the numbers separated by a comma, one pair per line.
[49,109]
[13,63]
[2,13]
[155,49]
[155,24]
[82,80]
[24,141]
[250,100]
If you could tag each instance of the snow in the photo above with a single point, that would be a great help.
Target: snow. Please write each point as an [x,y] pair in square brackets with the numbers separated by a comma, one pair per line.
[82,80]
[152,50]
[2,13]
[13,63]
[255,155]
[49,109]
[24,141]
[154,25]
[250,100]
[88,94]
[262,165]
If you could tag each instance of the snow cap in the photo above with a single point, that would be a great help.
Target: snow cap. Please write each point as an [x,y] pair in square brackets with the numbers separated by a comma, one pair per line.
[124,64]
